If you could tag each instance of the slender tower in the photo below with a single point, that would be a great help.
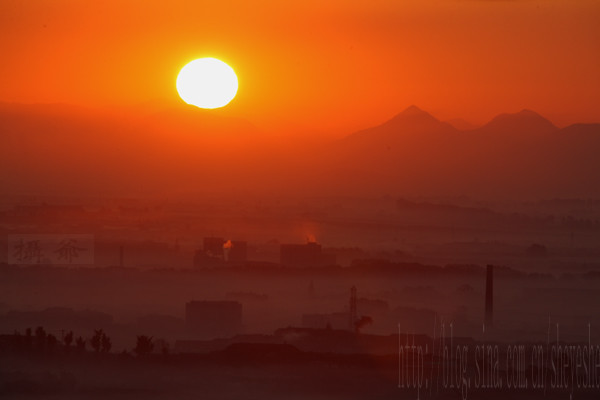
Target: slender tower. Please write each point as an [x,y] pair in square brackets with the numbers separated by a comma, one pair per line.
[489,296]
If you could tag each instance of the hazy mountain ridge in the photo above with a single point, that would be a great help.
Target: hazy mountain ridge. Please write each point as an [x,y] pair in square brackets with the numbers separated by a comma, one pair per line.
[513,154]
[59,147]
[522,122]
[412,121]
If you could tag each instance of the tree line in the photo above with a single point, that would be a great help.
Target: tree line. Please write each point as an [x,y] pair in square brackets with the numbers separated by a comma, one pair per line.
[41,342]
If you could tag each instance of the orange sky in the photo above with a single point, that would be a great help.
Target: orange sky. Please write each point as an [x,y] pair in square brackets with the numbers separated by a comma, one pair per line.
[335,67]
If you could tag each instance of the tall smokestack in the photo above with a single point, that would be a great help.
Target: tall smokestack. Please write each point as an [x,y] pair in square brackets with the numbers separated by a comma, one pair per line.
[489,296]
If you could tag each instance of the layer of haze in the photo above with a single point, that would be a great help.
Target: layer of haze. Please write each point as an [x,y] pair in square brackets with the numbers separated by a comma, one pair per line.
[313,67]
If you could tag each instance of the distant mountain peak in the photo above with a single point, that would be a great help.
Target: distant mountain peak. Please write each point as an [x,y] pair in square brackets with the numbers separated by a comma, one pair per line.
[521,115]
[412,121]
[528,113]
[412,114]
[412,110]
[524,120]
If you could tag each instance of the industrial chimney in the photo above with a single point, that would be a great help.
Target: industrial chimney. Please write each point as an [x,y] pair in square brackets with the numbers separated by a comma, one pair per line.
[489,296]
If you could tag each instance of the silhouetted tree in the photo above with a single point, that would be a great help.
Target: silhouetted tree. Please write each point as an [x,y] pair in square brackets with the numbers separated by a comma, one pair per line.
[144,345]
[40,338]
[106,343]
[162,346]
[51,342]
[67,340]
[96,340]
[18,340]
[28,339]
[80,344]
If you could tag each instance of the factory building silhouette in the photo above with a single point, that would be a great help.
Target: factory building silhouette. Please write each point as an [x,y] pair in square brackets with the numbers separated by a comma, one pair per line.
[218,252]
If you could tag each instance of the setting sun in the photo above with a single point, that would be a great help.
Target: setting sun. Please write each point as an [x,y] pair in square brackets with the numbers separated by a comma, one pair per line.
[207,83]
[300,199]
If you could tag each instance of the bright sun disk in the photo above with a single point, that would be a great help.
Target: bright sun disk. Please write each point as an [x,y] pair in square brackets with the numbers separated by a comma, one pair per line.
[207,83]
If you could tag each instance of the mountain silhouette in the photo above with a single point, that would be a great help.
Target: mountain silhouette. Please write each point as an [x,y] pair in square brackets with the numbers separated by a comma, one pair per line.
[411,133]
[520,123]
[58,148]
[519,153]
[414,115]
[581,131]
[574,150]
[411,121]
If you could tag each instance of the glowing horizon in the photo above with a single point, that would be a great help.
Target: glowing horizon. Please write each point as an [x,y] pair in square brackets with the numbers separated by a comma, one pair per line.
[335,67]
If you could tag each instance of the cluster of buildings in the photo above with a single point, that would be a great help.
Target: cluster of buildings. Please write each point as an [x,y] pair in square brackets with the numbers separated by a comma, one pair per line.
[221,319]
[218,252]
